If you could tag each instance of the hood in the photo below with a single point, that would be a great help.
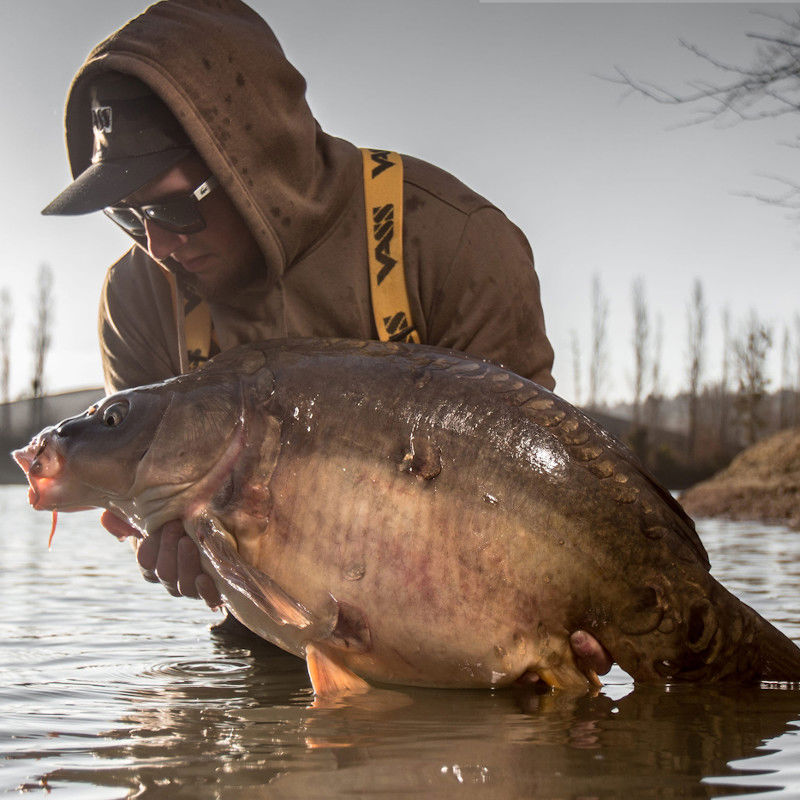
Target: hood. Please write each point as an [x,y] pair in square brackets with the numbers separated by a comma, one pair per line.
[222,72]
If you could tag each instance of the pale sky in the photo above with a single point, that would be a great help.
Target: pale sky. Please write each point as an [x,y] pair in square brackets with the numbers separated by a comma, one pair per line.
[506,96]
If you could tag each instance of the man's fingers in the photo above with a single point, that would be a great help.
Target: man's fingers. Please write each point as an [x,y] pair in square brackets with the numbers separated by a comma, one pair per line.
[167,562]
[171,558]
[589,653]
[192,581]
[189,567]
[118,527]
[208,591]
[147,556]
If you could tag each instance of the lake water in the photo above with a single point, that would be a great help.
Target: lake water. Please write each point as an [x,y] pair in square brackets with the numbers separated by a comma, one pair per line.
[113,689]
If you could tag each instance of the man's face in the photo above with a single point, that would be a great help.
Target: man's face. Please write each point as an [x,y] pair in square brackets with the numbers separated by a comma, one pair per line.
[217,261]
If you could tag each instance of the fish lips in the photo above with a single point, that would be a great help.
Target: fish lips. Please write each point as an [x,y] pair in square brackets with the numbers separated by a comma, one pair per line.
[42,461]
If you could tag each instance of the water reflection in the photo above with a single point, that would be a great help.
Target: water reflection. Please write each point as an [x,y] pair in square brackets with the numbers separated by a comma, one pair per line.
[111,689]
[242,725]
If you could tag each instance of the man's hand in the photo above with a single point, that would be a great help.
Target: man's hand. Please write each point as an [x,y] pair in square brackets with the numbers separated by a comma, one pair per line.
[168,556]
[113,524]
[589,654]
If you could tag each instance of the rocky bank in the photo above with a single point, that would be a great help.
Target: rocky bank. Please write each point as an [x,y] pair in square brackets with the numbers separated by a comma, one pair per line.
[762,483]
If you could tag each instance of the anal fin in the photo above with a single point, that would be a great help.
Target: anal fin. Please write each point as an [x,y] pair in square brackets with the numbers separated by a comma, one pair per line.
[329,678]
[569,679]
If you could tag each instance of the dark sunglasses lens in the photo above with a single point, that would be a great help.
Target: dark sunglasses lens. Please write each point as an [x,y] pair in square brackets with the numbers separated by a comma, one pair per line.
[180,215]
[127,219]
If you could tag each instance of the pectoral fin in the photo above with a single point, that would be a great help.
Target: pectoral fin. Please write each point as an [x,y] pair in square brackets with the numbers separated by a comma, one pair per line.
[330,678]
[218,545]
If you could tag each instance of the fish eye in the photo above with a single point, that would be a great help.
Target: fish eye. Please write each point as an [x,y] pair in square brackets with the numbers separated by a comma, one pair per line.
[115,414]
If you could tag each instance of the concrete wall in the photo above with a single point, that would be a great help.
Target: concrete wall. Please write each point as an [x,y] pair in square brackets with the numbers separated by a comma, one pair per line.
[21,420]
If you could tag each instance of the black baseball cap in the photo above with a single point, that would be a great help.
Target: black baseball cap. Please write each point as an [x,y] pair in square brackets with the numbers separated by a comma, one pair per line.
[136,138]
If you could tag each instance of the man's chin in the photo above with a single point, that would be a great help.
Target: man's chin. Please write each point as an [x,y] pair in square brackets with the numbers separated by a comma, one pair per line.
[216,286]
[205,288]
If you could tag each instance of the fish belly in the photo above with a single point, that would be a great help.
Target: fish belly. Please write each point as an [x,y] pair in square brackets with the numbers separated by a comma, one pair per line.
[453,588]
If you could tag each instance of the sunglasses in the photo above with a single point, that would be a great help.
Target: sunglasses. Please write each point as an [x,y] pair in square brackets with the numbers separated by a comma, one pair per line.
[179,215]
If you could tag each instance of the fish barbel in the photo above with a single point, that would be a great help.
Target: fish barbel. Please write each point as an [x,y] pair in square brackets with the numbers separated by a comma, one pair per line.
[405,514]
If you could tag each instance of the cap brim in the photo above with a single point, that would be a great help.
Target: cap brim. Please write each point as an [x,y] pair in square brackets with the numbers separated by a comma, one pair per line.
[105,183]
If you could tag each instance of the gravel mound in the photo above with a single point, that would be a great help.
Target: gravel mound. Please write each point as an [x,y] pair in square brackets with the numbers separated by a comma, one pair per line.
[762,483]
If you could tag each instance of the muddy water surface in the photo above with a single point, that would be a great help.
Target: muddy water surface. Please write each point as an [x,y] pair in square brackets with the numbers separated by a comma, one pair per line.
[112,689]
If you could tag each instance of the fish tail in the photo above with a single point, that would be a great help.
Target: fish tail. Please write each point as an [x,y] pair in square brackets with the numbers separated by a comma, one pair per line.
[713,637]
[751,647]
[779,656]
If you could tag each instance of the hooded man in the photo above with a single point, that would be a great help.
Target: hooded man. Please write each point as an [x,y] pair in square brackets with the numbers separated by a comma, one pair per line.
[190,129]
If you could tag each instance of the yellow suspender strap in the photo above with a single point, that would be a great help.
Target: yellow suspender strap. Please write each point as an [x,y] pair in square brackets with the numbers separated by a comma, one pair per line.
[383,196]
[383,206]
[194,327]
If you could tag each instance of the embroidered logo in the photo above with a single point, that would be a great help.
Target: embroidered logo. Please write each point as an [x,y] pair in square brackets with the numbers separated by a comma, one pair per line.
[102,119]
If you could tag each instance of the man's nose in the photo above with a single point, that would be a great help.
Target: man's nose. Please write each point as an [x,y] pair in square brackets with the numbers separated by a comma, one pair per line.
[162,243]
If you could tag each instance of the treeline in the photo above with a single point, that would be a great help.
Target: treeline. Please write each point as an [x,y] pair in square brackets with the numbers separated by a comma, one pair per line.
[40,333]
[716,418]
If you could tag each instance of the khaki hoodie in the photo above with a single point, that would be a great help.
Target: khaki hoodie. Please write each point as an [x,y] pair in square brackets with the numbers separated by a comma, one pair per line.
[219,67]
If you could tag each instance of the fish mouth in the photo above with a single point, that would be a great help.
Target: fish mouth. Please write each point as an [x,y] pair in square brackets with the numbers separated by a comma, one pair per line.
[42,461]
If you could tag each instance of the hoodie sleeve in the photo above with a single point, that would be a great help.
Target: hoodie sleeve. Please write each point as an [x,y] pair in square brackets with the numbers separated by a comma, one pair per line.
[138,344]
[489,303]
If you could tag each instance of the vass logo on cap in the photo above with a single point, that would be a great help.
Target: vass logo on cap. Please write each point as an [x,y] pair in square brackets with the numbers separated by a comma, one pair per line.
[102,119]
[136,138]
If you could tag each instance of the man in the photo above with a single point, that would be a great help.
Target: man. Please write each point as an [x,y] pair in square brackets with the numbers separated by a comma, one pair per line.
[190,129]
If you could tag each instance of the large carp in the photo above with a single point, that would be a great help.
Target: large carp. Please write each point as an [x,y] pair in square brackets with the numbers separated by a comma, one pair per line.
[410,515]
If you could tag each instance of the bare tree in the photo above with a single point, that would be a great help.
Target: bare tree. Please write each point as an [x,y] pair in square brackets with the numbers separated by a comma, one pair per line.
[696,328]
[767,87]
[42,327]
[797,365]
[656,396]
[6,321]
[599,364]
[724,383]
[641,337]
[750,349]
[576,366]
[785,391]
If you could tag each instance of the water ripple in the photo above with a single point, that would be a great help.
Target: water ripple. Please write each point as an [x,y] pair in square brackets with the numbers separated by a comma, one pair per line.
[200,669]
